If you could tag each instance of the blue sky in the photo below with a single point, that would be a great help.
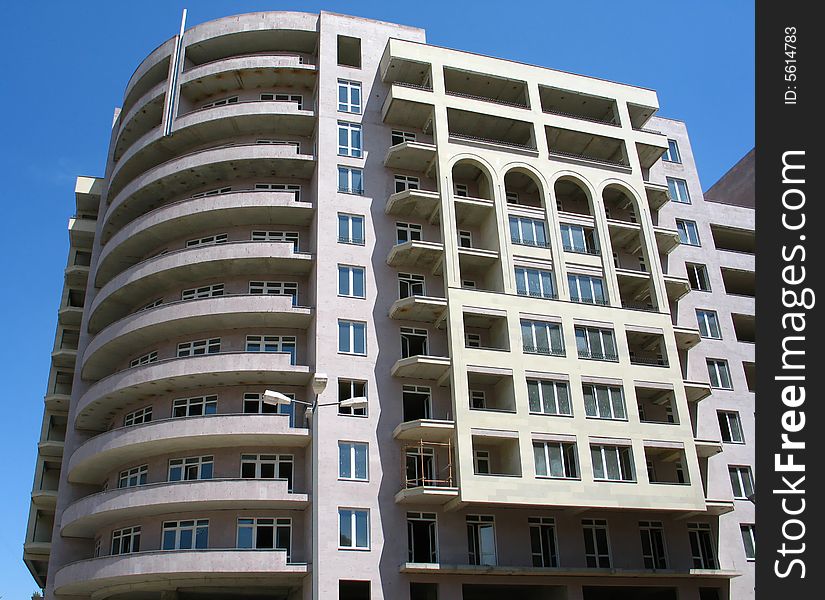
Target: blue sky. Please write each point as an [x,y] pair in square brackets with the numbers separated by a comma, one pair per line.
[65,64]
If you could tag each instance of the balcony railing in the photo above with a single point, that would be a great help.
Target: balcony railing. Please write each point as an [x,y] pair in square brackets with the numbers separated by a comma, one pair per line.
[476,138]
[347,240]
[545,295]
[487,99]
[351,190]
[598,355]
[533,243]
[597,301]
[605,161]
[414,86]
[639,306]
[544,350]
[579,250]
[649,360]
[561,113]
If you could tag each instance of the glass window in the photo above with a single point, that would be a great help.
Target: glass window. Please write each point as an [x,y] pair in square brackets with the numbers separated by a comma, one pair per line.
[708,324]
[207,291]
[220,238]
[576,238]
[126,540]
[539,337]
[286,344]
[535,282]
[185,535]
[292,188]
[730,427]
[481,539]
[698,277]
[290,237]
[190,469]
[549,397]
[350,229]
[672,153]
[150,357]
[410,284]
[350,388]
[352,461]
[399,137]
[678,190]
[136,417]
[406,182]
[354,527]
[133,477]
[349,96]
[350,180]
[749,540]
[543,546]
[612,463]
[741,482]
[268,466]
[407,232]
[719,374]
[555,459]
[586,289]
[195,407]
[596,543]
[352,337]
[701,546]
[349,139]
[528,232]
[265,533]
[351,281]
[275,288]
[595,343]
[653,544]
[604,402]
[688,232]
[199,347]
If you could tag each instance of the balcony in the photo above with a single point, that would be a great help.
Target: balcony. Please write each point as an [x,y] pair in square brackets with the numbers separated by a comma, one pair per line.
[433,368]
[105,397]
[707,448]
[739,282]
[696,390]
[411,156]
[408,106]
[87,516]
[657,404]
[44,499]
[194,215]
[745,327]
[192,265]
[490,131]
[428,430]
[657,195]
[576,105]
[169,570]
[733,239]
[81,232]
[491,389]
[635,290]
[650,146]
[666,463]
[96,458]
[667,240]
[472,212]
[676,287]
[646,348]
[640,114]
[566,144]
[485,87]
[545,572]
[686,337]
[417,255]
[424,309]
[114,344]
[429,473]
[416,204]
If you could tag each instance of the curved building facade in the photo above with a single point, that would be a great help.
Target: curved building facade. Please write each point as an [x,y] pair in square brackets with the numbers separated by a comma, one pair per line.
[359,317]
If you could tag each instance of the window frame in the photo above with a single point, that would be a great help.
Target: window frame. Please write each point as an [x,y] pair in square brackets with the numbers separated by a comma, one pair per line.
[351,272]
[353,525]
[716,368]
[352,457]
[354,144]
[672,154]
[349,86]
[567,454]
[706,319]
[179,528]
[678,191]
[351,327]
[686,227]
[554,402]
[347,174]
[604,467]
[350,219]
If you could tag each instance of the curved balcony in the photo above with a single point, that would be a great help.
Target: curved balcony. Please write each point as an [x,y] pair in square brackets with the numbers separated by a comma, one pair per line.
[191,265]
[209,126]
[194,215]
[99,456]
[118,341]
[212,166]
[116,391]
[170,569]
[419,204]
[143,116]
[85,517]
[252,71]
[152,70]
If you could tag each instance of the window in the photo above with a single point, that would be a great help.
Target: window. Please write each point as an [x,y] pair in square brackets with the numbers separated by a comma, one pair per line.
[223,190]
[126,540]
[291,144]
[511,197]
[141,415]
[253,404]
[407,232]
[543,544]
[612,463]
[698,277]
[220,238]
[586,289]
[575,238]
[145,359]
[349,51]
[221,102]
[672,152]
[354,529]
[678,190]
[290,237]
[190,469]
[268,466]
[653,544]
[461,190]
[349,96]
[273,343]
[416,400]
[730,427]
[538,337]
[350,180]
[472,340]
[708,324]
[281,187]
[596,543]
[604,402]
[465,239]
[297,99]
[478,399]
[133,477]
[481,539]
[350,229]
[528,232]
[352,461]
[275,288]
[352,337]
[688,232]
[195,407]
[265,533]
[199,347]
[548,397]
[406,182]
[701,546]
[152,304]
[399,137]
[351,388]
[556,460]
[422,538]
[741,481]
[349,139]
[719,374]
[351,281]
[186,535]
[481,462]
[410,285]
[595,343]
[413,342]
[207,291]
[535,282]
[749,540]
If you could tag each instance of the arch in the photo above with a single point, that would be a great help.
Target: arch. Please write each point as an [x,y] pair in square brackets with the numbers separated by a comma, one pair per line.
[620,202]
[524,186]
[474,173]
[573,194]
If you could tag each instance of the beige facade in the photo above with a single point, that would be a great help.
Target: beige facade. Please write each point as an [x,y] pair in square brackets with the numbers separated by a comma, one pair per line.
[476,254]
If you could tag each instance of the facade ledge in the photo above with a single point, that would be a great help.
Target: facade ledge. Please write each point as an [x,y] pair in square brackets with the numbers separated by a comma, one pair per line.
[421,204]
[411,156]
[428,430]
[696,390]
[707,448]
[45,499]
[425,309]
[657,195]
[421,367]
[50,448]
[416,254]
[426,495]
[459,569]
[666,239]
[686,337]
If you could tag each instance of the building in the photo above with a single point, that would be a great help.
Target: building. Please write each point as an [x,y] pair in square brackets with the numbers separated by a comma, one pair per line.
[370,318]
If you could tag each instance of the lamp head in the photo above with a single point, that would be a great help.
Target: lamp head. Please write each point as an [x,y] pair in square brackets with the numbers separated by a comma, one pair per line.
[319,383]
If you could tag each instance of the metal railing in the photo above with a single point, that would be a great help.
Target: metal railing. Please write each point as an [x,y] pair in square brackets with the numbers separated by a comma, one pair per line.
[414,86]
[476,138]
[561,113]
[606,161]
[487,99]
[543,350]
[598,355]
[533,243]
[575,250]
[648,360]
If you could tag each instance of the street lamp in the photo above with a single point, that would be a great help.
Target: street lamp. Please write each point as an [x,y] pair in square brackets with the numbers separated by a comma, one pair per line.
[319,384]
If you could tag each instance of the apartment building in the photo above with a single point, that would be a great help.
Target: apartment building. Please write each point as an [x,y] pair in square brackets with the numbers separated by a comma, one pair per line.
[370,318]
